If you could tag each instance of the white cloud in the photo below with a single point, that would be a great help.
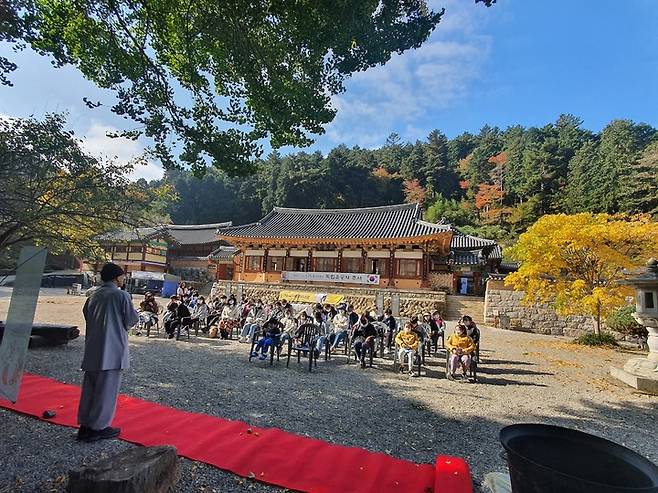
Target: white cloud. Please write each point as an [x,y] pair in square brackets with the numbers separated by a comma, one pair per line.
[96,142]
[412,86]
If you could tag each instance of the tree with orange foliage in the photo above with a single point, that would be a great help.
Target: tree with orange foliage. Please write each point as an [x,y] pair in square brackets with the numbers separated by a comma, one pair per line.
[414,191]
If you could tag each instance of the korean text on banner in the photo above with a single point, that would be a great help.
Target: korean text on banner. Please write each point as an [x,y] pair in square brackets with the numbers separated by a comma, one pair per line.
[20,317]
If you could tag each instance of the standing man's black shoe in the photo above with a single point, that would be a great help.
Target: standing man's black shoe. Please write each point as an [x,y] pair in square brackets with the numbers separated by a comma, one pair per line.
[104,434]
[83,433]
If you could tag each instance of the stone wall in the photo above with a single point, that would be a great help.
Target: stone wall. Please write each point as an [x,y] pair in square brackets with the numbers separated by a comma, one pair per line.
[411,302]
[505,309]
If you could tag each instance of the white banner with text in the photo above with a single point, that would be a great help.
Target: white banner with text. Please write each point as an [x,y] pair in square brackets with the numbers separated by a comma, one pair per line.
[347,277]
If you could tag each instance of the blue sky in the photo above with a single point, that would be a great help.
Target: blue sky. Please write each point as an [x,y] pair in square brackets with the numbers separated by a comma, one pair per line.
[521,61]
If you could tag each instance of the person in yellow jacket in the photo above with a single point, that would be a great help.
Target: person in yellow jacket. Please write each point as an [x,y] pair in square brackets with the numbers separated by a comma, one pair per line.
[461,348]
[407,343]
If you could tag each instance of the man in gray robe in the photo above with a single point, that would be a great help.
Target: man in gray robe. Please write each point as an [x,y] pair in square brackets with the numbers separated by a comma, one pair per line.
[109,314]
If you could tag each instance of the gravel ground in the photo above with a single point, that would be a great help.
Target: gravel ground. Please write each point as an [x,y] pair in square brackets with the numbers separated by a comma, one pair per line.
[523,378]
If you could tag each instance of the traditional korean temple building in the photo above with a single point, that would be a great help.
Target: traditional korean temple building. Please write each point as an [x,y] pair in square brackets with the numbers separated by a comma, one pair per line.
[184,250]
[381,247]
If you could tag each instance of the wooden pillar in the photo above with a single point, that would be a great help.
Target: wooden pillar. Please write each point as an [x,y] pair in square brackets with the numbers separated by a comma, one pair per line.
[477,283]
[264,269]
[391,267]
[425,270]
[364,260]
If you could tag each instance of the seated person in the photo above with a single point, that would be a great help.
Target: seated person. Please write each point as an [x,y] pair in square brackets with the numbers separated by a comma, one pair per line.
[460,347]
[329,311]
[363,339]
[323,324]
[341,326]
[392,325]
[271,333]
[255,318]
[215,308]
[277,311]
[472,330]
[201,311]
[173,300]
[150,305]
[437,327]
[289,326]
[421,329]
[407,344]
[170,314]
[304,319]
[230,318]
[149,310]
[352,315]
[181,318]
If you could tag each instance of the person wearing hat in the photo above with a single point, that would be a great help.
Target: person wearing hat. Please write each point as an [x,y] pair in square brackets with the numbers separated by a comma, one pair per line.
[109,314]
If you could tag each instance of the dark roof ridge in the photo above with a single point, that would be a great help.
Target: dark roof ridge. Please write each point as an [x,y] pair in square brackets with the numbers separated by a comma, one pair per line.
[342,211]
[198,226]
[443,226]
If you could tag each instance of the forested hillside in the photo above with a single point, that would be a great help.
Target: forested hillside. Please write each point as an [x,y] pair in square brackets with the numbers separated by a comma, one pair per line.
[495,183]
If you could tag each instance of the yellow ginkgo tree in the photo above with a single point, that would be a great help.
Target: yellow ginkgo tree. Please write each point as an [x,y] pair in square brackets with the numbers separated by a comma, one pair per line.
[574,262]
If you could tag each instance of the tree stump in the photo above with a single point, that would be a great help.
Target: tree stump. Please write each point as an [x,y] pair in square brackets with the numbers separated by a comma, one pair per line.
[138,470]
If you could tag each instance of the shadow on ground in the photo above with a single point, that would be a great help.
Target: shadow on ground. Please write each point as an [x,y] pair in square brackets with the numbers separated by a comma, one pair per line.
[375,408]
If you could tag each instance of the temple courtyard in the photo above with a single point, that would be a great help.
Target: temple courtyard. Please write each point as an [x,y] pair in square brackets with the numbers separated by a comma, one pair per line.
[522,378]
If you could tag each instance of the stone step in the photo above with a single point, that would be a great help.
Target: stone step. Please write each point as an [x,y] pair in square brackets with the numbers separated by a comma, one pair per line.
[465,305]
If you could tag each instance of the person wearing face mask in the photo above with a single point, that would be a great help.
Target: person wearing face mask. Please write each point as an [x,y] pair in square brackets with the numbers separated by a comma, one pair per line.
[472,330]
[230,318]
[289,326]
[255,319]
[437,328]
[341,327]
[200,313]
[352,315]
[407,342]
[303,319]
[324,332]
[363,339]
[392,325]
[461,347]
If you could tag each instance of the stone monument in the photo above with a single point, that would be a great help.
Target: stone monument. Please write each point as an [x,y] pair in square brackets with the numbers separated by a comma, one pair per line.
[642,373]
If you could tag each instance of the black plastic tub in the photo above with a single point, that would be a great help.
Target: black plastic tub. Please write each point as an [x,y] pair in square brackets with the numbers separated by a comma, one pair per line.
[552,459]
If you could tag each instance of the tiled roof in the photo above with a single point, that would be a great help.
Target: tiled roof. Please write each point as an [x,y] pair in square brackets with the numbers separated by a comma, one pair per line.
[178,234]
[466,257]
[462,241]
[223,253]
[137,234]
[387,222]
[195,234]
[473,257]
[496,253]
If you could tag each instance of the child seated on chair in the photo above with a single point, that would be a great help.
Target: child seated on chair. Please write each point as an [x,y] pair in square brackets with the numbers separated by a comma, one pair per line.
[304,319]
[461,348]
[271,332]
[363,339]
[407,342]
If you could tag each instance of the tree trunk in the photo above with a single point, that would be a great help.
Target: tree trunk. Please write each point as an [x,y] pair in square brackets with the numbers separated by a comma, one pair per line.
[597,330]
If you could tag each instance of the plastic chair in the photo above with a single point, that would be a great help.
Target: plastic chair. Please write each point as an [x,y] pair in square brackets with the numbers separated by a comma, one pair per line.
[304,343]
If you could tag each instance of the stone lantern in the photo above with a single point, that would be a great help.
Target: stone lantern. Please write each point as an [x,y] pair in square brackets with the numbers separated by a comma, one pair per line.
[642,373]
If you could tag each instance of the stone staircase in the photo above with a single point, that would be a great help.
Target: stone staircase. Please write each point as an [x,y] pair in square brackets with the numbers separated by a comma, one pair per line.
[465,305]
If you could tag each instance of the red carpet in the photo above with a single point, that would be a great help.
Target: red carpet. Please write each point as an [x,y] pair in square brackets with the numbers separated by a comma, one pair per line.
[269,455]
